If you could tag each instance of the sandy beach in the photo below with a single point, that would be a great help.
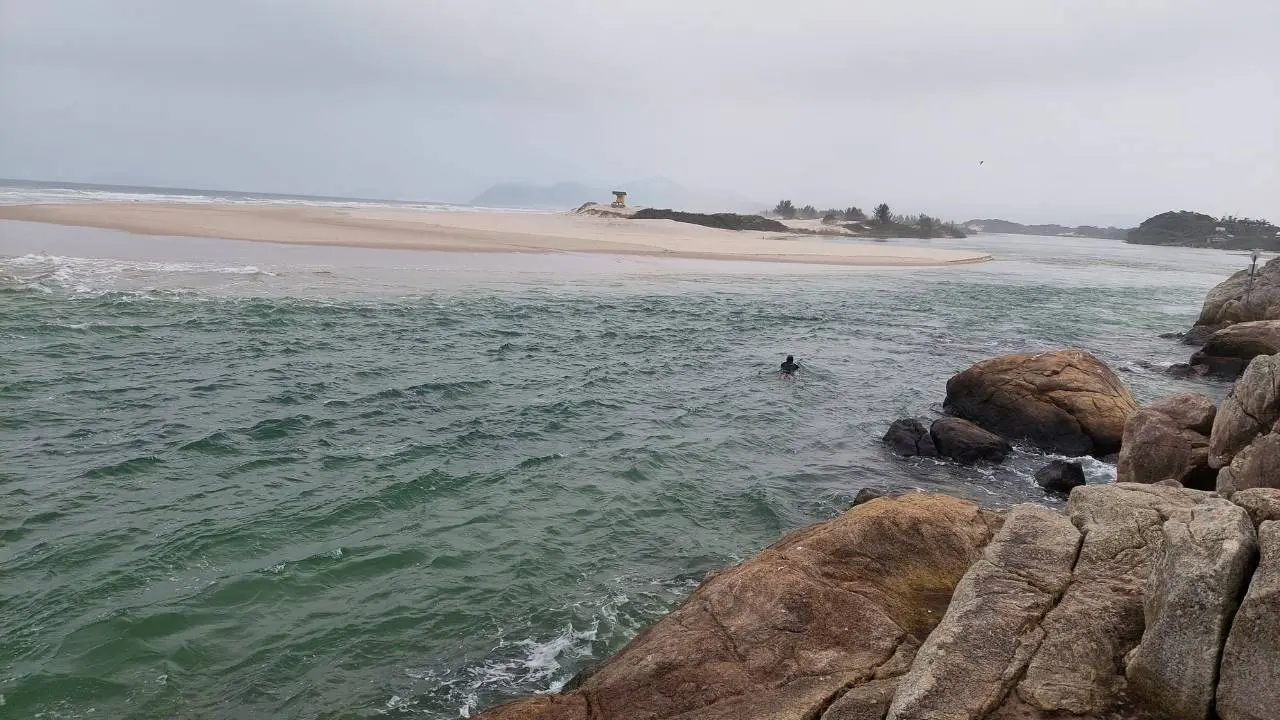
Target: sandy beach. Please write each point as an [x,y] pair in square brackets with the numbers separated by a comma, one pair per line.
[463,231]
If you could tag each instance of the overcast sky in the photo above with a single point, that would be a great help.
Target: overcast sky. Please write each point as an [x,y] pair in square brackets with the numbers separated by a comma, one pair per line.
[1094,111]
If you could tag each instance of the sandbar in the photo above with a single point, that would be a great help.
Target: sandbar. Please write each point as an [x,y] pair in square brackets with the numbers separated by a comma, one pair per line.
[476,231]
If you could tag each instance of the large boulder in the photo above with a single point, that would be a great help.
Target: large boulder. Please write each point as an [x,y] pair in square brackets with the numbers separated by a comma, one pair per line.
[1169,439]
[1256,466]
[1249,681]
[1228,351]
[910,438]
[1078,667]
[966,443]
[1237,299]
[1191,597]
[1252,408]
[826,610]
[983,644]
[1065,401]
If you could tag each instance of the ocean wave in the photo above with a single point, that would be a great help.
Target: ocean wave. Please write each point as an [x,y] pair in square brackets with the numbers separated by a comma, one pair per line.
[95,276]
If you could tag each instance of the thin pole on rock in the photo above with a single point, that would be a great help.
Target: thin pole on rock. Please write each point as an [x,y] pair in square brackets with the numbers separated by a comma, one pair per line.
[1253,268]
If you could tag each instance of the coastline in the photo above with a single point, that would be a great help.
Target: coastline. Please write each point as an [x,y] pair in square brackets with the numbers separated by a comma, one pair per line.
[475,231]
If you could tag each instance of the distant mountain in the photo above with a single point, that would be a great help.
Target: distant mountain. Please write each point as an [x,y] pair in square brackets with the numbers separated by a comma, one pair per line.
[650,192]
[537,197]
[1193,229]
[1013,228]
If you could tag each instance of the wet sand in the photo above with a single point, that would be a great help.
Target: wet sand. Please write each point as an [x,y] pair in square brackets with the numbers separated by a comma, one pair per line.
[477,231]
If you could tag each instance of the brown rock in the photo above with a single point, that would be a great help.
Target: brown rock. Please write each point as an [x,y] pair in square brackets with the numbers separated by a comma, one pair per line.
[1230,349]
[865,702]
[1256,466]
[1191,596]
[1161,442]
[1064,401]
[1192,411]
[1078,668]
[1249,686]
[1250,410]
[966,443]
[807,621]
[1239,300]
[991,629]
[1262,504]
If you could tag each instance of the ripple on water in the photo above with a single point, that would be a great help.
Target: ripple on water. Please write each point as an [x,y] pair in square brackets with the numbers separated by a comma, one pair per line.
[340,506]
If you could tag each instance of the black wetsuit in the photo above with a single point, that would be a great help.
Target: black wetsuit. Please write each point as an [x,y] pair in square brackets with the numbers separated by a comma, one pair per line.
[790,368]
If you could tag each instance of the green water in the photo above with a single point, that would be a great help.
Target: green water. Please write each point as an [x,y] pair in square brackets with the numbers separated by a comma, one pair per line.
[332,492]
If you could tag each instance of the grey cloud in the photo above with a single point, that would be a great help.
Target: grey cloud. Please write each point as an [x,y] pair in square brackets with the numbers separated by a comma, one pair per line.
[1083,110]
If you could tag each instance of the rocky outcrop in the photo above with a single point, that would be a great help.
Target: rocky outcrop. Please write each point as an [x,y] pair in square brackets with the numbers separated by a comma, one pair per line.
[1256,466]
[966,443]
[992,627]
[1249,686]
[1228,351]
[1252,408]
[922,606]
[1079,666]
[1065,401]
[1262,504]
[825,611]
[910,438]
[1060,476]
[1236,300]
[1169,439]
[1191,598]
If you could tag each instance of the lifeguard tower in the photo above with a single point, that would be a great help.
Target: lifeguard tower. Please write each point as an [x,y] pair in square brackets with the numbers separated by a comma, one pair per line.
[619,199]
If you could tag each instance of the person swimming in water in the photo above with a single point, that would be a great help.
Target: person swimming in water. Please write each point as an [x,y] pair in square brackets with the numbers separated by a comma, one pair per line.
[790,366]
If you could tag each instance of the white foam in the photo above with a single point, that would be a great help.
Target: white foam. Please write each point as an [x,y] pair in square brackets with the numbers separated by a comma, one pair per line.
[99,275]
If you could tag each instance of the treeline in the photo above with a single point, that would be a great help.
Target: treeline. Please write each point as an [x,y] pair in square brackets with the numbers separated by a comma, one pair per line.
[883,222]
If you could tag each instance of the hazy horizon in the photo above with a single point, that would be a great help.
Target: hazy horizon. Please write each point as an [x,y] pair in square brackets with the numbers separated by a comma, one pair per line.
[1097,113]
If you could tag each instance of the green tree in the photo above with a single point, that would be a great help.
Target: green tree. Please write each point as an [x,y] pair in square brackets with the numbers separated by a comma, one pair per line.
[854,213]
[785,209]
[808,212]
[883,214]
[926,225]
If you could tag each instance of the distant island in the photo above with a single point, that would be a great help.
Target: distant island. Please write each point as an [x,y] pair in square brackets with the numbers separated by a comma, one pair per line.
[1193,229]
[1013,228]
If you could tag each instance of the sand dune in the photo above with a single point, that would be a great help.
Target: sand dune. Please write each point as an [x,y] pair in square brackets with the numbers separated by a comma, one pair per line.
[411,229]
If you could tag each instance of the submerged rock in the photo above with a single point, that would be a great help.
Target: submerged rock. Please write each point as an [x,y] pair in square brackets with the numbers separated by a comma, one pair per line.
[1228,351]
[1064,401]
[909,437]
[1060,476]
[1191,597]
[966,443]
[1199,334]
